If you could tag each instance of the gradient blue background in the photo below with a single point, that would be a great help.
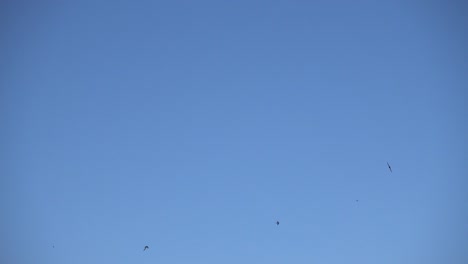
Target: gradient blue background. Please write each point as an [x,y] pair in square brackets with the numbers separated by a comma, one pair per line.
[192,126]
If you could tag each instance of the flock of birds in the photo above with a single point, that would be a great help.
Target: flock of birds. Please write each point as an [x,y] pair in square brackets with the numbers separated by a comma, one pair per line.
[277,222]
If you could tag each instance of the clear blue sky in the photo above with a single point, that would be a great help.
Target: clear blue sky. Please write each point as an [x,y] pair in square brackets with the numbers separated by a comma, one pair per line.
[192,126]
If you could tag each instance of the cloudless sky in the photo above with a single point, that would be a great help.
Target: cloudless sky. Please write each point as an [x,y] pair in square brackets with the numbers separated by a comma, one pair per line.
[193,126]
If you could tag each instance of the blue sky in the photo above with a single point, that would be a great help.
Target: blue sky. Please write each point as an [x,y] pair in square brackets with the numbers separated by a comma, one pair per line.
[193,126]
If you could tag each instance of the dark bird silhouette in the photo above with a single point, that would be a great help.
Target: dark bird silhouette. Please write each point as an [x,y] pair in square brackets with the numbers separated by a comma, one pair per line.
[277,223]
[389,167]
[357,200]
[146,247]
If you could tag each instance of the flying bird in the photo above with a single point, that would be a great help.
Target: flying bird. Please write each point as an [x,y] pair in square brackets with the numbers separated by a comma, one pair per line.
[389,167]
[146,247]
[357,200]
[277,223]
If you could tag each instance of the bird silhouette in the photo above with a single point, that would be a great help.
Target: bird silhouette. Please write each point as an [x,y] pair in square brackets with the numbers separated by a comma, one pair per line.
[277,223]
[146,247]
[389,167]
[357,200]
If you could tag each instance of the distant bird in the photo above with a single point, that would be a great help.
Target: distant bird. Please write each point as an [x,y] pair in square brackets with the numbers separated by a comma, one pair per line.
[146,247]
[389,167]
[53,246]
[357,200]
[277,223]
